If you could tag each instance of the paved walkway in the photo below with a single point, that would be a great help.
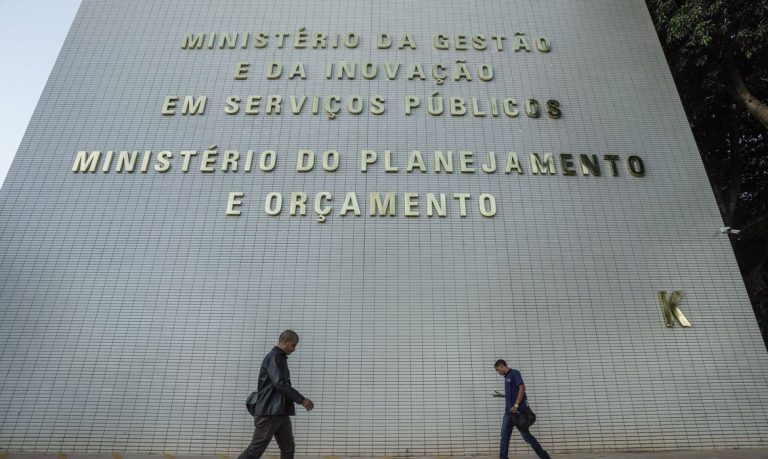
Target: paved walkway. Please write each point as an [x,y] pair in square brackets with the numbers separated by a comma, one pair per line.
[709,454]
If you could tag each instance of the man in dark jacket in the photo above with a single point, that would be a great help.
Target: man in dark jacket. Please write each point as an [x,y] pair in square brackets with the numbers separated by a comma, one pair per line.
[274,403]
[515,402]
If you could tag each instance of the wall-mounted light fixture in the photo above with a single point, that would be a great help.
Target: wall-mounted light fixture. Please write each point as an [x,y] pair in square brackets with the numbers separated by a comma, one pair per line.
[729,230]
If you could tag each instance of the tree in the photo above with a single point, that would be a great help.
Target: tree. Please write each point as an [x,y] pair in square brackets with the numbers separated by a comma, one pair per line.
[718,53]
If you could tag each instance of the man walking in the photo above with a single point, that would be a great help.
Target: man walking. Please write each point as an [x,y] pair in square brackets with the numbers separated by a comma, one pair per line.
[515,402]
[274,402]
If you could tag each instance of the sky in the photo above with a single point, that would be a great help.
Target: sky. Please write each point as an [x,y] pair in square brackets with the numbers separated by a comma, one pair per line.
[31,33]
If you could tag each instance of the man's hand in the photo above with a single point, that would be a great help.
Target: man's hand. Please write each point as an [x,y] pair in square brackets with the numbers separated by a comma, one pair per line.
[513,409]
[308,404]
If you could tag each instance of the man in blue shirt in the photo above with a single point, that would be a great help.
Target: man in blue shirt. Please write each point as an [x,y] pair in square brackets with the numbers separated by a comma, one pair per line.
[516,402]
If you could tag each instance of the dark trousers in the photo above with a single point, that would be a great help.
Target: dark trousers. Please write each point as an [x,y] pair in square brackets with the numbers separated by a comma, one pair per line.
[506,435]
[267,427]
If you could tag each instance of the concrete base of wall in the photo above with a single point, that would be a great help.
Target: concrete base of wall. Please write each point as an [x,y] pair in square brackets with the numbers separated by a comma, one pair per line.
[706,454]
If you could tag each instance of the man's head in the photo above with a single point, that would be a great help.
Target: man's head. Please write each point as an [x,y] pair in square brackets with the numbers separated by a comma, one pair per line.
[288,341]
[501,367]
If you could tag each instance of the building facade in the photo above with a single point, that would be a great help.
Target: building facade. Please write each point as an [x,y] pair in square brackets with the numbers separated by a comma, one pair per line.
[416,188]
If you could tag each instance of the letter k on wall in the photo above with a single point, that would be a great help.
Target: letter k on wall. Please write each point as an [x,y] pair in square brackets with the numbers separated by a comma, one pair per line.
[669,308]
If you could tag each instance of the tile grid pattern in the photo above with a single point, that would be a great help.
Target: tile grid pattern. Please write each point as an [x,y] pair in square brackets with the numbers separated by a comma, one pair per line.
[134,314]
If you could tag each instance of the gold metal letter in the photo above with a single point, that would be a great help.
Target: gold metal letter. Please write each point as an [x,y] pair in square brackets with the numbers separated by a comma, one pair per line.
[669,308]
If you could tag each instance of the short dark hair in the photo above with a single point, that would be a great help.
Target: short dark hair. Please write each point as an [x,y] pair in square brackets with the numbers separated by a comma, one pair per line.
[500,363]
[289,336]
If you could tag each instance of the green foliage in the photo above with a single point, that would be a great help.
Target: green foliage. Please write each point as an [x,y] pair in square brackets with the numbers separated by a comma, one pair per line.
[738,27]
[706,35]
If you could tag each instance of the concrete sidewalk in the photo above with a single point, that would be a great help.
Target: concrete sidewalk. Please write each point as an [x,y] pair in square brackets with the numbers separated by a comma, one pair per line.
[706,454]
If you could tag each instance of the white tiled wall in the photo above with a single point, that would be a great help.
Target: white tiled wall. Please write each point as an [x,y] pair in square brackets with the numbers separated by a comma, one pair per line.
[134,313]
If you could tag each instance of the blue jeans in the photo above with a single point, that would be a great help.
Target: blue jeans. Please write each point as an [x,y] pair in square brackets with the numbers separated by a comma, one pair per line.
[506,435]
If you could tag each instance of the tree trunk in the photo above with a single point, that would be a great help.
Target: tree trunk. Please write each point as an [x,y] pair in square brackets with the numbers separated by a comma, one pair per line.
[727,187]
[739,91]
